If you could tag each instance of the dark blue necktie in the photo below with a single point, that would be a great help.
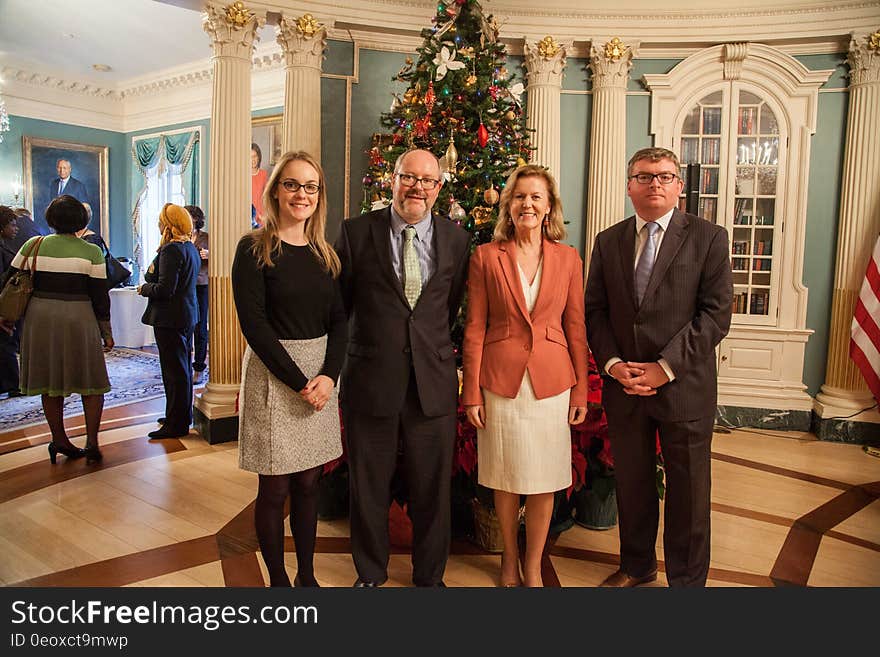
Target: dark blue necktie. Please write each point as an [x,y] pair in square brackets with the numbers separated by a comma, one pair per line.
[646,260]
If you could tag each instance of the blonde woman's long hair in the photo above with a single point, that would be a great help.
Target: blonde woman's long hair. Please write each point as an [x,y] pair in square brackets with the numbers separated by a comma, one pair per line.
[266,242]
[552,227]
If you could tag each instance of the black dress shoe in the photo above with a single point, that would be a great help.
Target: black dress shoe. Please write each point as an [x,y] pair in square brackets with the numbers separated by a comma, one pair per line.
[165,432]
[437,585]
[620,580]
[162,420]
[72,452]
[361,584]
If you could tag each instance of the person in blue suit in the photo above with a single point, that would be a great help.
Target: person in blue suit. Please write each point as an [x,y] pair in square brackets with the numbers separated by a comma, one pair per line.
[65,183]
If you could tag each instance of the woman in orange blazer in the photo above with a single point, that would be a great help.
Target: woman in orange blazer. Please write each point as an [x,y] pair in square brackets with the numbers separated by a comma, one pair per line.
[525,362]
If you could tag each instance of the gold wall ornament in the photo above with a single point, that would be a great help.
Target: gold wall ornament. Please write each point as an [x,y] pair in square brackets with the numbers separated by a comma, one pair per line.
[307,25]
[615,49]
[547,47]
[237,14]
[874,41]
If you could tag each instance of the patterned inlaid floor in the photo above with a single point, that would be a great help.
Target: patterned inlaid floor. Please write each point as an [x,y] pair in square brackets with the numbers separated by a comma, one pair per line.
[787,510]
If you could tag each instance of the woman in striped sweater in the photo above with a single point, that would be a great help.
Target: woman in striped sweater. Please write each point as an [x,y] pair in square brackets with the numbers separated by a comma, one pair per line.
[67,320]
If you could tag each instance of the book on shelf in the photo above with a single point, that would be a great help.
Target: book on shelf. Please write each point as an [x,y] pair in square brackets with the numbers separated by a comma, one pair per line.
[759,304]
[738,207]
[740,247]
[747,117]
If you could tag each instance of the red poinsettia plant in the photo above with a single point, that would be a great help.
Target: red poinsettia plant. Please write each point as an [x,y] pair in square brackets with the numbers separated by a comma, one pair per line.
[591,457]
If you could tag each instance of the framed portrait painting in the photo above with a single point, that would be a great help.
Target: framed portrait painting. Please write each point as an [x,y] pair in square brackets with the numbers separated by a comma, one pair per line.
[266,136]
[52,168]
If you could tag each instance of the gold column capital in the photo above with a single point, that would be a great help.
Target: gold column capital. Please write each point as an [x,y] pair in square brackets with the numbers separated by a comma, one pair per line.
[612,63]
[864,58]
[303,41]
[233,29]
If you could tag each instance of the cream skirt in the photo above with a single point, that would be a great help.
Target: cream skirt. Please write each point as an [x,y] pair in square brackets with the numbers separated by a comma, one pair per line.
[526,445]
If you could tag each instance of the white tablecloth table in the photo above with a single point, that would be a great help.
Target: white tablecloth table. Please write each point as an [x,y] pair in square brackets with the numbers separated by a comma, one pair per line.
[126,309]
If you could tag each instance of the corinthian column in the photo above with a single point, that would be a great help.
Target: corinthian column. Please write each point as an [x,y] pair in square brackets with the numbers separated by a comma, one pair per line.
[232,30]
[545,66]
[607,178]
[844,392]
[303,42]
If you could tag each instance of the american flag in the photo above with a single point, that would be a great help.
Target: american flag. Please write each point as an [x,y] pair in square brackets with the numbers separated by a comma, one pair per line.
[864,345]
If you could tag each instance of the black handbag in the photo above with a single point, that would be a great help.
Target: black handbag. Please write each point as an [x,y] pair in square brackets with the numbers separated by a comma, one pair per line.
[18,289]
[117,273]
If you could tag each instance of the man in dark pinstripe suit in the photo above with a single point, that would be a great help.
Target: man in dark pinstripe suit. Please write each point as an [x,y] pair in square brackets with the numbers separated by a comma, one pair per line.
[658,302]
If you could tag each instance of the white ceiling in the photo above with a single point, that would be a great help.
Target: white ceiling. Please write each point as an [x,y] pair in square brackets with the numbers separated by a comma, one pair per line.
[138,37]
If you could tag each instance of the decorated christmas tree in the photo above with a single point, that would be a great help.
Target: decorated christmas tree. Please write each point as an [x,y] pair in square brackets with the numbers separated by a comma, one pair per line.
[462,105]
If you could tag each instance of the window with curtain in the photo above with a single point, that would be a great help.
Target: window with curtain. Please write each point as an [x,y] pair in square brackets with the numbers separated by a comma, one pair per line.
[168,165]
[162,187]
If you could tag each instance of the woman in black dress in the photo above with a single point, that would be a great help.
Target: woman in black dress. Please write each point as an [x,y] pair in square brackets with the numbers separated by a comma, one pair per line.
[291,313]
[172,311]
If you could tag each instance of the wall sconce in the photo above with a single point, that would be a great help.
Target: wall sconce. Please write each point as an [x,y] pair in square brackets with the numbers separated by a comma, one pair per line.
[16,188]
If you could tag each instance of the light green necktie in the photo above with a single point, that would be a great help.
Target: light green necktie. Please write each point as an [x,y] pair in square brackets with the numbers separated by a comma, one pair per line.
[412,273]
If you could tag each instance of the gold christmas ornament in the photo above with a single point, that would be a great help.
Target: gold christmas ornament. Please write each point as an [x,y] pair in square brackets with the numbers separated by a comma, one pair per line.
[481,215]
[451,155]
[471,80]
[510,115]
[491,196]
[520,162]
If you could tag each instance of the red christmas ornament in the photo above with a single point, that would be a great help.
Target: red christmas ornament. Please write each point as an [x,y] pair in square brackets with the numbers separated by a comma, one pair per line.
[421,126]
[482,135]
[430,97]
[494,91]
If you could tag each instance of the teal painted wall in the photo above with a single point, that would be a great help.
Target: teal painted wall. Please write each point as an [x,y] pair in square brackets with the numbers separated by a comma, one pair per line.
[370,97]
[11,159]
[823,207]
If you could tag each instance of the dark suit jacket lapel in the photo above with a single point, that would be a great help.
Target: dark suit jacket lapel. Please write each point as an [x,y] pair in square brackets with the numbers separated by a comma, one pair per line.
[507,260]
[627,247]
[551,271]
[672,240]
[381,230]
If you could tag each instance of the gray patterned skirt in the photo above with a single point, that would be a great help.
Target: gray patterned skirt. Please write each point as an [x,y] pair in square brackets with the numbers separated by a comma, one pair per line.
[278,432]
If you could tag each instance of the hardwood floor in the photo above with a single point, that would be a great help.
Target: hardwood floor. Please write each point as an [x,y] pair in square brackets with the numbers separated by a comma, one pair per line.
[787,509]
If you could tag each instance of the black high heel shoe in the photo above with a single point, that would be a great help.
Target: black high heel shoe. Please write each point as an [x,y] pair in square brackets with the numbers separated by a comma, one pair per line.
[93,455]
[69,452]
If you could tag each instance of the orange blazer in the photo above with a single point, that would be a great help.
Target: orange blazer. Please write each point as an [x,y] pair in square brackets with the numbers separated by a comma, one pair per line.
[501,337]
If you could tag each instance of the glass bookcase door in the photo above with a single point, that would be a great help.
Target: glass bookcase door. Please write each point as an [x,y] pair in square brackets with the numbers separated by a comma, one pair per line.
[734,135]
[702,142]
[753,226]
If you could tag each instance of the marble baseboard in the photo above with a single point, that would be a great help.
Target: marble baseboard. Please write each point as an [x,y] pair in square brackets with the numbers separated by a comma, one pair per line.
[846,431]
[220,430]
[764,418]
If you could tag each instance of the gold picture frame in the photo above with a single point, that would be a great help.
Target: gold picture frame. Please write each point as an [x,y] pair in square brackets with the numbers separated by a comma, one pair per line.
[89,178]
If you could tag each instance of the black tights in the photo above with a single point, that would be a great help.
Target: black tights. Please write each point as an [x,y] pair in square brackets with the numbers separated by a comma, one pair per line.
[269,519]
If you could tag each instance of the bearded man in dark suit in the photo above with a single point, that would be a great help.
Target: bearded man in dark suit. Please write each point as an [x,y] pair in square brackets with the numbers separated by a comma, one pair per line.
[658,302]
[403,276]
